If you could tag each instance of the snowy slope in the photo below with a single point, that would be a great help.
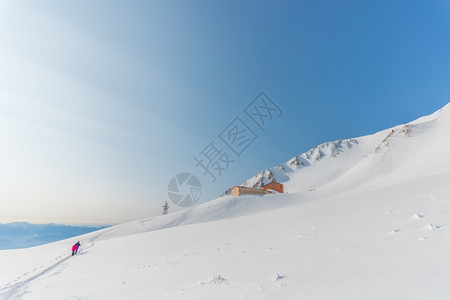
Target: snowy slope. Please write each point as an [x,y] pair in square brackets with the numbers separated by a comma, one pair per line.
[423,142]
[375,226]
[407,152]
[318,166]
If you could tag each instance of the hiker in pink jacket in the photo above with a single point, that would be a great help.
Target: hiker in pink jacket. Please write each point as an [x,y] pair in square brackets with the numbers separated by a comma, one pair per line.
[75,248]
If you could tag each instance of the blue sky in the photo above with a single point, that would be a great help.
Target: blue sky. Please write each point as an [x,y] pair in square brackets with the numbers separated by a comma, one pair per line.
[102,102]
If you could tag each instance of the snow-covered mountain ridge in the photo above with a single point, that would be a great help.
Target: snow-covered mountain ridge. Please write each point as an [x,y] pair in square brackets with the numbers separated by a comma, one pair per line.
[311,158]
[334,159]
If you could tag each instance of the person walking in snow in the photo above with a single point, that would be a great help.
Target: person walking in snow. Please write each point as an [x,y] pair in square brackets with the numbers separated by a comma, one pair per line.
[75,248]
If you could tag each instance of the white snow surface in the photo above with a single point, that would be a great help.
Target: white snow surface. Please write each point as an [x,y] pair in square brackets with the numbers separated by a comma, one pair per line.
[365,218]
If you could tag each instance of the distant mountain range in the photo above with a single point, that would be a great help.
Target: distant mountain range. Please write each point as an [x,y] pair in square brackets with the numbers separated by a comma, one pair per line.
[23,235]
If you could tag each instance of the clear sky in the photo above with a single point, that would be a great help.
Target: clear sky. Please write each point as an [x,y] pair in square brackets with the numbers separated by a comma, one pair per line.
[103,102]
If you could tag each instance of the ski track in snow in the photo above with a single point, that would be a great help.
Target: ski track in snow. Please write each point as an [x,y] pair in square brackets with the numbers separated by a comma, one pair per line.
[15,290]
[18,288]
